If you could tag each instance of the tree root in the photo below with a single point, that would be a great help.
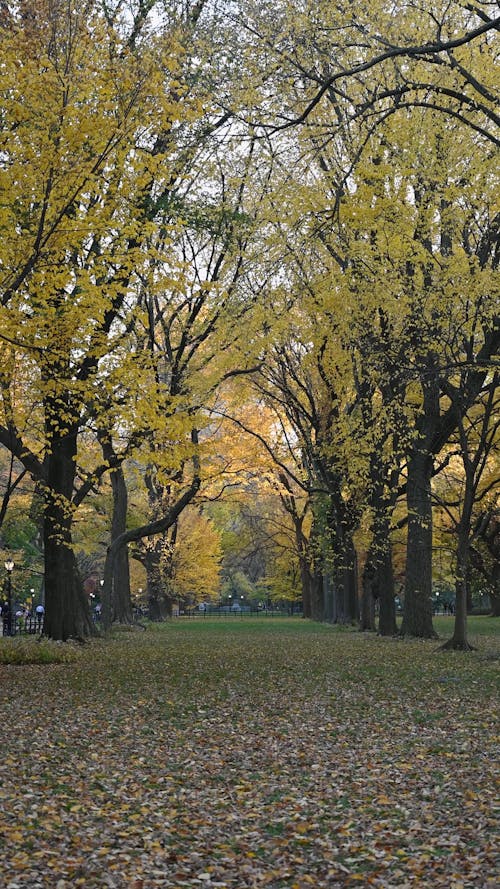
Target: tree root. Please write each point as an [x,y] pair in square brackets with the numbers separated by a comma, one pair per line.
[457,645]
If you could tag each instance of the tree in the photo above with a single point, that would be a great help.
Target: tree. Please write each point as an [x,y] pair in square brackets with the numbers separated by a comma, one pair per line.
[477,433]
[321,60]
[372,62]
[85,96]
[487,537]
[194,571]
[419,258]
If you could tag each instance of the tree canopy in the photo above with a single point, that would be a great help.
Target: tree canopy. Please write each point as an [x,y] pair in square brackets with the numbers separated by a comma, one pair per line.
[247,250]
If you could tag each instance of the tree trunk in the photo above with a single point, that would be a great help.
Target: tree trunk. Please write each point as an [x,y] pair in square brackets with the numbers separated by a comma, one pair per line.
[495,578]
[317,596]
[302,545]
[495,605]
[67,613]
[378,585]
[306,585]
[367,621]
[387,625]
[329,601]
[345,606]
[316,583]
[468,592]
[350,573]
[417,615]
[121,601]
[459,639]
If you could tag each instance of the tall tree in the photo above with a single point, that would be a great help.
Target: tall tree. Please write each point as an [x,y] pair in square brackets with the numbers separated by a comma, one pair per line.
[477,434]
[87,103]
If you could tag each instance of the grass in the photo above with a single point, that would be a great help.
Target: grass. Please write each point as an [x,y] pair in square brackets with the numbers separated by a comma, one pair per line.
[23,650]
[477,625]
[251,753]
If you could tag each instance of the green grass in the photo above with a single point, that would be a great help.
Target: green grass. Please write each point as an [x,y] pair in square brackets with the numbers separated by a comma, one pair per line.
[477,625]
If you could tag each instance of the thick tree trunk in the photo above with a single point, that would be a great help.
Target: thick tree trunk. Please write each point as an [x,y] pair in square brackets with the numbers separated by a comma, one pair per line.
[306,584]
[302,546]
[459,639]
[121,601]
[378,585]
[344,582]
[344,606]
[329,598]
[350,581]
[387,625]
[317,596]
[315,583]
[468,591]
[367,619]
[417,615]
[495,577]
[67,612]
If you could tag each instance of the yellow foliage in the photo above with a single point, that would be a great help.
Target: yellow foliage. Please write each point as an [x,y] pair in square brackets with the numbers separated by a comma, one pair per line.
[196,558]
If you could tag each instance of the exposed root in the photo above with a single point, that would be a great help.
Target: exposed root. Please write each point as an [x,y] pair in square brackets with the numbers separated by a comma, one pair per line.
[457,645]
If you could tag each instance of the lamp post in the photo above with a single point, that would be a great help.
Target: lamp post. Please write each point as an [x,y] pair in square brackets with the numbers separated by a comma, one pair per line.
[9,567]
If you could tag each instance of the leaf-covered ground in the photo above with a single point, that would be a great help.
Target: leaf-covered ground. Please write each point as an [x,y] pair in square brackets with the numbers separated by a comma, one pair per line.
[251,753]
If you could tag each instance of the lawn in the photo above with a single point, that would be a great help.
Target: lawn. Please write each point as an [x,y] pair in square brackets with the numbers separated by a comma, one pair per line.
[251,753]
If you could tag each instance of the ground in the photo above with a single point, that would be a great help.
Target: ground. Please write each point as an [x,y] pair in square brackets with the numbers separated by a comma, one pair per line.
[251,753]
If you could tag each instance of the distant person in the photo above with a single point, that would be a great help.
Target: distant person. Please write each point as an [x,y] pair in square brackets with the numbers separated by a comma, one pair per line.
[39,611]
[5,618]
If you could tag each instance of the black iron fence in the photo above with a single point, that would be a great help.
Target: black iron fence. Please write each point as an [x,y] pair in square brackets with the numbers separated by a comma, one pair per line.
[25,626]
[231,612]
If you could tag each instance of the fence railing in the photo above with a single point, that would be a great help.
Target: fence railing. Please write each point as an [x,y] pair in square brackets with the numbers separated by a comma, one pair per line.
[228,612]
[22,626]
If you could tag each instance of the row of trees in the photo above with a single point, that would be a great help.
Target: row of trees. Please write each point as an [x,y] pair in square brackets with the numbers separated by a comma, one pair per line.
[252,249]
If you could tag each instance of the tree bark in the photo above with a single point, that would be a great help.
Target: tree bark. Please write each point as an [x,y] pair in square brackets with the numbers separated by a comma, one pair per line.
[344,607]
[301,543]
[495,605]
[67,613]
[387,625]
[417,614]
[378,585]
[121,600]
[317,596]
[350,581]
[367,619]
[306,585]
[459,639]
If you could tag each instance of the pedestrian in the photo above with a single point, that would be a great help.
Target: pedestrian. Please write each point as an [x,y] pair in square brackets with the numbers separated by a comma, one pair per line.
[5,618]
[39,611]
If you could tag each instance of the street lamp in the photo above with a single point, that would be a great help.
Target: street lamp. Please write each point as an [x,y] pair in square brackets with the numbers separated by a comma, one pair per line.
[9,567]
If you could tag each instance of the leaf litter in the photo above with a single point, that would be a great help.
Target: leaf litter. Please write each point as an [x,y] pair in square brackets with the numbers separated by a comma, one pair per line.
[287,756]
